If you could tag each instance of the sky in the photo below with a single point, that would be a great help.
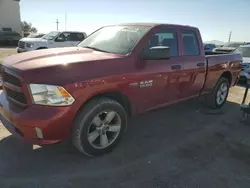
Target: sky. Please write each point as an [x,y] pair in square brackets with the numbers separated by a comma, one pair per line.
[214,18]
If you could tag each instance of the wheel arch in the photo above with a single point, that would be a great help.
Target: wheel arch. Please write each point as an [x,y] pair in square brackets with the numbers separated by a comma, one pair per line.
[228,76]
[115,95]
[40,48]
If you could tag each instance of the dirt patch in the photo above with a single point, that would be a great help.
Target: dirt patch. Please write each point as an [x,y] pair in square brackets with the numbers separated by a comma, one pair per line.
[4,52]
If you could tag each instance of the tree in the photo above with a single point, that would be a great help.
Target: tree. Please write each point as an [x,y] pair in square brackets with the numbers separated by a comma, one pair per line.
[27,27]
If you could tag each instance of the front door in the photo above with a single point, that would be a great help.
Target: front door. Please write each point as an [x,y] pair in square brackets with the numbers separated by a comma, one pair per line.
[159,79]
[62,40]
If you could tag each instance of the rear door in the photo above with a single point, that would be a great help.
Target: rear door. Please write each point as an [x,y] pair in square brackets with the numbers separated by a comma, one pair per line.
[194,64]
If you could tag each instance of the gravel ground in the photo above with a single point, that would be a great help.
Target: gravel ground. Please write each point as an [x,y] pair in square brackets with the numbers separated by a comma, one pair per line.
[4,52]
[184,145]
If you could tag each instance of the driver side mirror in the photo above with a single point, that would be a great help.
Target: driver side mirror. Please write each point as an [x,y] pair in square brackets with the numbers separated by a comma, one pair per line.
[157,53]
[60,39]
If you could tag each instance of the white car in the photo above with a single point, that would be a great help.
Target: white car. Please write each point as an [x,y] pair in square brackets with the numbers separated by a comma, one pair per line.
[244,50]
[54,39]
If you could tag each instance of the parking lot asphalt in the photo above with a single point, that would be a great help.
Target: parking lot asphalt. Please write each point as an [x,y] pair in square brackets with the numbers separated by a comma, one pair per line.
[184,145]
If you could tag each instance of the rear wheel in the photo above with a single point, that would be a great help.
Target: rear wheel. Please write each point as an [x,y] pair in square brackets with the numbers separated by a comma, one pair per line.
[218,97]
[99,126]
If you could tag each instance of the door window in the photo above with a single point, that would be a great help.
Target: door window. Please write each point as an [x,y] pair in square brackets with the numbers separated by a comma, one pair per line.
[61,38]
[190,43]
[165,38]
[75,37]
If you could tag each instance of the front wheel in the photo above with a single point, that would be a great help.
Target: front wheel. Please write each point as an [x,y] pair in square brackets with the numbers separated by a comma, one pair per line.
[99,126]
[218,97]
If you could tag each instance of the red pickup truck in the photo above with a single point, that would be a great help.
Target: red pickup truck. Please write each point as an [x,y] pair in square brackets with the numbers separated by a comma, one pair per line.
[86,93]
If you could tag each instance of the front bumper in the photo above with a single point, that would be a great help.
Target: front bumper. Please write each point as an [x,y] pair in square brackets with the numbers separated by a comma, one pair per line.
[54,122]
[21,50]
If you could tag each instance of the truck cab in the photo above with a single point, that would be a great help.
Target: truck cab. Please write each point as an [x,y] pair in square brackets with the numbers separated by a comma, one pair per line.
[54,39]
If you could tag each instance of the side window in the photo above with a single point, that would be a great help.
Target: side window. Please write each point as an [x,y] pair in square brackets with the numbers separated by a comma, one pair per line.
[190,42]
[166,38]
[75,37]
[61,38]
[66,36]
[80,36]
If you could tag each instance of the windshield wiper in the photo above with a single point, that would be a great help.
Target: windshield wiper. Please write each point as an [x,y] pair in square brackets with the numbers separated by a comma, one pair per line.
[96,49]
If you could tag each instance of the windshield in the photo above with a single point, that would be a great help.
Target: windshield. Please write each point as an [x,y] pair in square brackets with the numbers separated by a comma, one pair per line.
[115,39]
[233,45]
[244,51]
[51,35]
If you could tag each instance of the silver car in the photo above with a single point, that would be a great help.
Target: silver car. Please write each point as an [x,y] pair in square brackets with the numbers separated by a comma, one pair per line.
[244,50]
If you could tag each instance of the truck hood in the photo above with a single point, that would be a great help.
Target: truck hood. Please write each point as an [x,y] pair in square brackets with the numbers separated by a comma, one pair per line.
[33,40]
[52,57]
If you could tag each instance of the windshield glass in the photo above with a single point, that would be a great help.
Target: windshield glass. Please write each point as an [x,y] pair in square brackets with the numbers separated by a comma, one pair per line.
[51,35]
[244,51]
[233,45]
[115,39]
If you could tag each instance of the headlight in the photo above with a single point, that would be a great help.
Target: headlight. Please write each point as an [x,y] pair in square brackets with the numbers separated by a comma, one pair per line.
[29,45]
[50,95]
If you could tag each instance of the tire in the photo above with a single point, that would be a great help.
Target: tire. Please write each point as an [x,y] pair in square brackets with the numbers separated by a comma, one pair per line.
[211,99]
[84,123]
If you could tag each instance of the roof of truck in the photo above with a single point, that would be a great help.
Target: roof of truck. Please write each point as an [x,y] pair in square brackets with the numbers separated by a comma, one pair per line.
[156,24]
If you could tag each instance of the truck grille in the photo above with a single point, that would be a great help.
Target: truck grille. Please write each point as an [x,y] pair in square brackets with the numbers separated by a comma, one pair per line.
[19,97]
[11,79]
[21,44]
[11,94]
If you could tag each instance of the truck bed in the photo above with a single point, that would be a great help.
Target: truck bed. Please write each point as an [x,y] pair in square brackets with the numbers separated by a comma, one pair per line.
[221,63]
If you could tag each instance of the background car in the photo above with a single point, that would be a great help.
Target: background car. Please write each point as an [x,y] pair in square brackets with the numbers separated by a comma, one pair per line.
[209,47]
[54,39]
[230,46]
[245,53]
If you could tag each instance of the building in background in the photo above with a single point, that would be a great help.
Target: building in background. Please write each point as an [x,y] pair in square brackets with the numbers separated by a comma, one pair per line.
[10,19]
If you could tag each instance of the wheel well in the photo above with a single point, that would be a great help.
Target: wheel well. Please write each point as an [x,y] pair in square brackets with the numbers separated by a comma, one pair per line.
[228,76]
[118,97]
[40,48]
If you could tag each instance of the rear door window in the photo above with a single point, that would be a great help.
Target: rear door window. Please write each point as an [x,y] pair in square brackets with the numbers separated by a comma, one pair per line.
[190,43]
[76,37]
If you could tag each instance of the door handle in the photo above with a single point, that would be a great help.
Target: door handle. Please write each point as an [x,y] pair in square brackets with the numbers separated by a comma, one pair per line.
[200,64]
[176,67]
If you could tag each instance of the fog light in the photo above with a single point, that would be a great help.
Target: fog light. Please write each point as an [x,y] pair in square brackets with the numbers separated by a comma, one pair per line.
[39,133]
